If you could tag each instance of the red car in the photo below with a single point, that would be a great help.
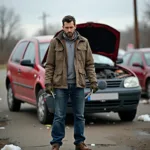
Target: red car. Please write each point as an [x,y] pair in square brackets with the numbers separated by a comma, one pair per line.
[139,62]
[25,75]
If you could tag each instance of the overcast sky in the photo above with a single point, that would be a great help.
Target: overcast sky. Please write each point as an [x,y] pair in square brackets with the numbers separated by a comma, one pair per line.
[117,13]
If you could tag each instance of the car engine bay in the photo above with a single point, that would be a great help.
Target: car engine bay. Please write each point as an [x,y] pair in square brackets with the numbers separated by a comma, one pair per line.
[111,72]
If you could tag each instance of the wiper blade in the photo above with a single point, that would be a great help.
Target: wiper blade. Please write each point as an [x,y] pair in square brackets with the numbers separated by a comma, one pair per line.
[98,64]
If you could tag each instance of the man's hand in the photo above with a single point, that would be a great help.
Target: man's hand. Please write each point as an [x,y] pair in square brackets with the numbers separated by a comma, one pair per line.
[94,87]
[48,88]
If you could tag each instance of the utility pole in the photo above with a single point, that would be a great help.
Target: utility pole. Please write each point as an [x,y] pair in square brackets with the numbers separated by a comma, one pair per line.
[136,29]
[44,17]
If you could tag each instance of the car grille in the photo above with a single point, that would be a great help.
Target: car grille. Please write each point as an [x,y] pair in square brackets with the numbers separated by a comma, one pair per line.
[99,104]
[131,102]
[113,83]
[110,83]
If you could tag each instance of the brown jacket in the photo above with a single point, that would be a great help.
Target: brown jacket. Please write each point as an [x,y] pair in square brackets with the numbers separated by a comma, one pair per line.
[56,63]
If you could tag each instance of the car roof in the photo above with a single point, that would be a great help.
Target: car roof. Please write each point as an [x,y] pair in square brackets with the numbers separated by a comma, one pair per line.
[40,39]
[45,38]
[140,50]
[145,49]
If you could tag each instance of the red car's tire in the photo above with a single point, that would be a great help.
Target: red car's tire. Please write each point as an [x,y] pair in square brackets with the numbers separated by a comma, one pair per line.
[13,103]
[42,111]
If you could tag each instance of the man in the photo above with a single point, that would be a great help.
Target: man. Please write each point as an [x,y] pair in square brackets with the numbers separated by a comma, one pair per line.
[69,60]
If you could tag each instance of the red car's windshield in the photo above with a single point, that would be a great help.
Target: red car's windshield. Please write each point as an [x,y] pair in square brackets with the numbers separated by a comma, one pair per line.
[42,50]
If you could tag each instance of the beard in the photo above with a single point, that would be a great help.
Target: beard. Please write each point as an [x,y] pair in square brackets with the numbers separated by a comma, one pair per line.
[69,34]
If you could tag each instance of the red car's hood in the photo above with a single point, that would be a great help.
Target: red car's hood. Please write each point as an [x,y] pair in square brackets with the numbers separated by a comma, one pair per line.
[103,39]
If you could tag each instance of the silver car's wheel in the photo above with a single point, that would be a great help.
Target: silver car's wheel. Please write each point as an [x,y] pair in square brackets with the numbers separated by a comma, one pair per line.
[42,110]
[13,103]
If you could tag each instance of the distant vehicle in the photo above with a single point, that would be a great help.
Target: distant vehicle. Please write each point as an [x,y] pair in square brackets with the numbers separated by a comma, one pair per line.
[121,53]
[25,75]
[139,62]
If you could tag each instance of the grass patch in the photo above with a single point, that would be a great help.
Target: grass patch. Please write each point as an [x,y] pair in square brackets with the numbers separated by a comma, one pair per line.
[3,66]
[3,142]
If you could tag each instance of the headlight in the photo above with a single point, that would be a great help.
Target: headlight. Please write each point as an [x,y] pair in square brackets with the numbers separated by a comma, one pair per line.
[131,82]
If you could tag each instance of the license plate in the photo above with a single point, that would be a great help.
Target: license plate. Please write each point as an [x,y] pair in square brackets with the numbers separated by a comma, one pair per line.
[103,96]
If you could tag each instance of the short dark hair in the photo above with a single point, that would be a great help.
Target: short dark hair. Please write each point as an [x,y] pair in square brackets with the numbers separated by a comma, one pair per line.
[68,19]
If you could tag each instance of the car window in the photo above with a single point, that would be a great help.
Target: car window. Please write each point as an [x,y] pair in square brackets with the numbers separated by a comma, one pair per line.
[30,53]
[136,58]
[147,58]
[102,60]
[126,58]
[18,53]
[42,50]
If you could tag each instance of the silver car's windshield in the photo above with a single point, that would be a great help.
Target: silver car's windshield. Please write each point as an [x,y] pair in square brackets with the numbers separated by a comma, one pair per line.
[147,58]
[99,59]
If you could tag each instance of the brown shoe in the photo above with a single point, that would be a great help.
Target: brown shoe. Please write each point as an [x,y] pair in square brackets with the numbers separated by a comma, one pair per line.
[55,146]
[82,146]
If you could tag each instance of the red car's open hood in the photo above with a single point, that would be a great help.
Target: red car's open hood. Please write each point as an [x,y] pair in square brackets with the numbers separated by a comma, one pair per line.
[103,39]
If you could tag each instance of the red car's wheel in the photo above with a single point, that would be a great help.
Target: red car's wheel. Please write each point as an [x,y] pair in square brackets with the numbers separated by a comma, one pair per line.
[42,110]
[13,103]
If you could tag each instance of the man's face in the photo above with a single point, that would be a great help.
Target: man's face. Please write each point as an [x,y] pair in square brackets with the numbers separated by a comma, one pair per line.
[69,28]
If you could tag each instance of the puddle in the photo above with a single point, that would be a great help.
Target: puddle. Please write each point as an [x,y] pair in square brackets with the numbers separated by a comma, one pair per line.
[142,133]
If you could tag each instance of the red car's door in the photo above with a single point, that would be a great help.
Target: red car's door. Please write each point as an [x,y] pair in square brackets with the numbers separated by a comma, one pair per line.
[28,74]
[14,65]
[136,64]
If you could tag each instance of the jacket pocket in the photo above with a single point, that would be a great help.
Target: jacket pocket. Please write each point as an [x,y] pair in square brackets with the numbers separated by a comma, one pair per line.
[59,53]
[82,77]
[81,51]
[57,78]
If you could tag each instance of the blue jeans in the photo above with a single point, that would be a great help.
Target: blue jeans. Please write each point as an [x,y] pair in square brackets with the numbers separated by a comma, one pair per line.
[78,103]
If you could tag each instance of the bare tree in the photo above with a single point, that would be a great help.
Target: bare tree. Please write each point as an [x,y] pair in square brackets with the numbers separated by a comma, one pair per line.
[9,24]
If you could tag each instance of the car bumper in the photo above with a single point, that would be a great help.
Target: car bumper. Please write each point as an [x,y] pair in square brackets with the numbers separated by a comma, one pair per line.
[128,99]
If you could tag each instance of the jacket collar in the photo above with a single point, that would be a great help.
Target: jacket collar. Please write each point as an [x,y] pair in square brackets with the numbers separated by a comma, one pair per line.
[59,36]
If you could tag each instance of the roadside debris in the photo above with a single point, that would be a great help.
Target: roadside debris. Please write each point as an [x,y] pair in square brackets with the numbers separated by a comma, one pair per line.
[6,116]
[91,123]
[145,101]
[67,127]
[0,99]
[11,147]
[34,125]
[48,126]
[92,144]
[145,117]
[108,115]
[2,128]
